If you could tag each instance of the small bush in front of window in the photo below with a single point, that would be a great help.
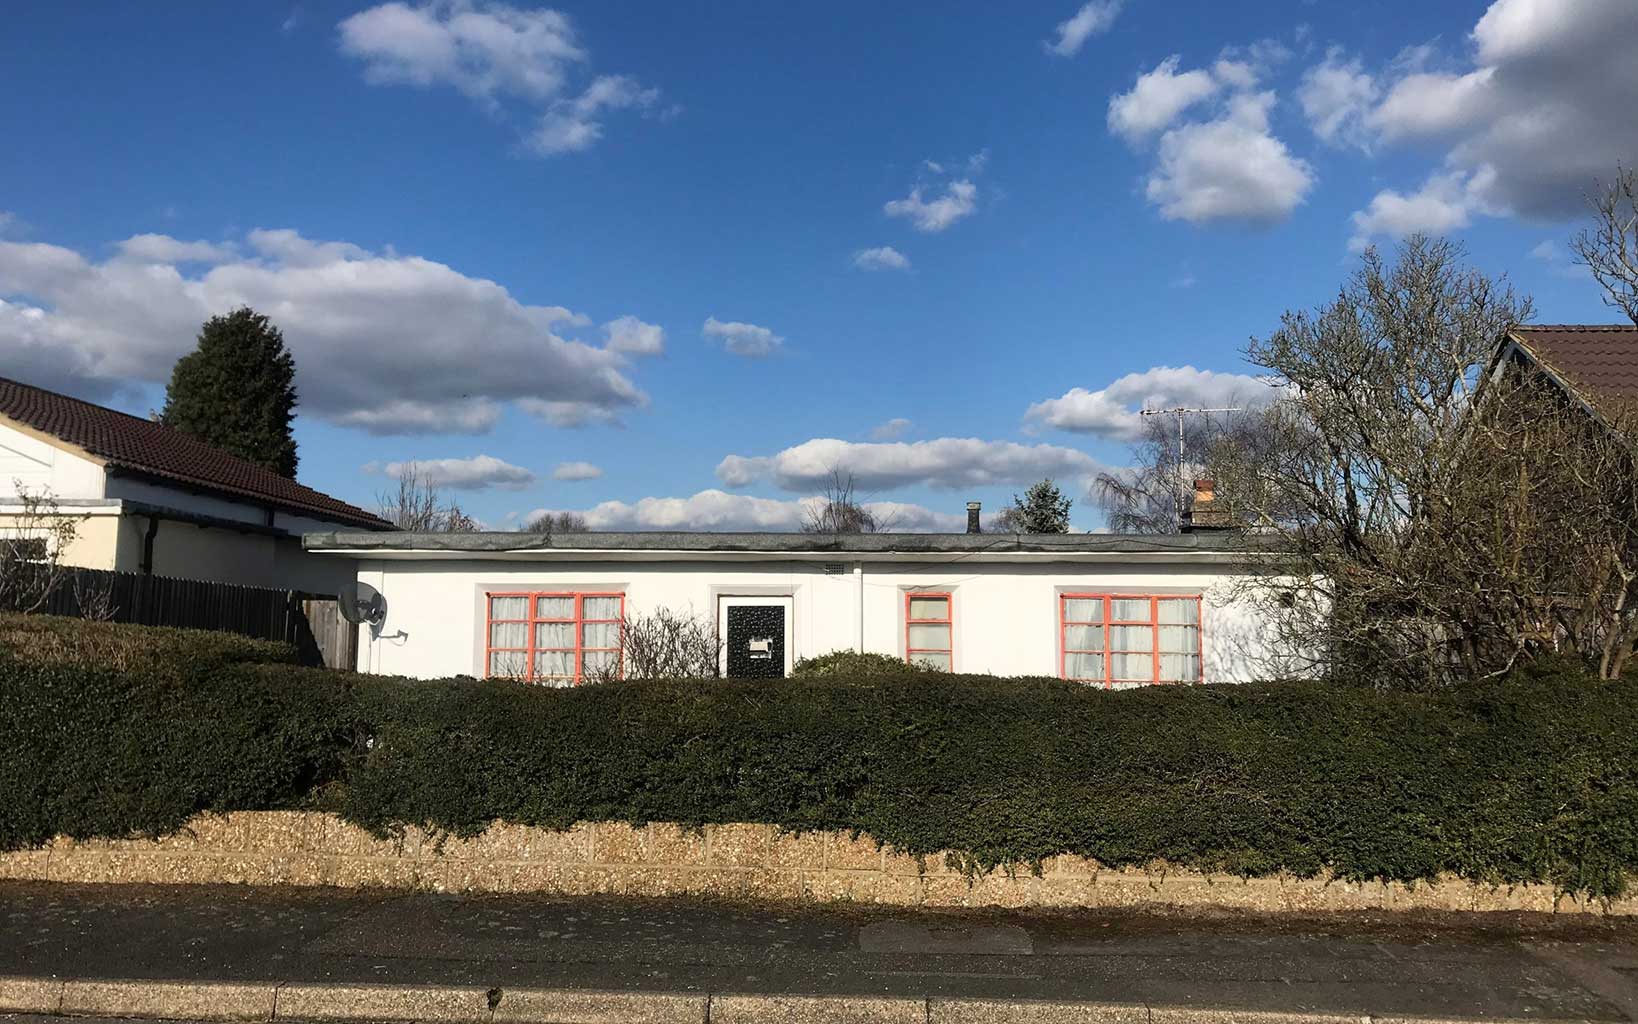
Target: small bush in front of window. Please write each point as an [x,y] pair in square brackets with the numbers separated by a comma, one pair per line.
[854,665]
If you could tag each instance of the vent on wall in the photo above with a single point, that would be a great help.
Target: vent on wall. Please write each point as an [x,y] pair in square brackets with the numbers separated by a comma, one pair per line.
[835,569]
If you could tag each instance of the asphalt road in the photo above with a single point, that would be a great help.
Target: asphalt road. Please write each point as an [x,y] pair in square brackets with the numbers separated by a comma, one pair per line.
[1450,966]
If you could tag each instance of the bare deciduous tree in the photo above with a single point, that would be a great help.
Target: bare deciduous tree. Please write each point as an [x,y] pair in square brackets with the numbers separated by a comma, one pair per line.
[419,507]
[1438,518]
[31,567]
[550,523]
[839,510]
[1610,248]
[1154,493]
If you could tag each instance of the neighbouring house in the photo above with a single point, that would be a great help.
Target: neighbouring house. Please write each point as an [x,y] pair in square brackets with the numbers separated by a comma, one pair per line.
[1099,608]
[1596,364]
[149,499]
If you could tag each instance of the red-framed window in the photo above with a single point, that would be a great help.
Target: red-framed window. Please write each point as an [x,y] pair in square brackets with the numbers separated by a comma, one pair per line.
[1121,640]
[929,629]
[554,637]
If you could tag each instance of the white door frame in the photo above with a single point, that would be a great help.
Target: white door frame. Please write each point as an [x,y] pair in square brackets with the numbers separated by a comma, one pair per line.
[727,601]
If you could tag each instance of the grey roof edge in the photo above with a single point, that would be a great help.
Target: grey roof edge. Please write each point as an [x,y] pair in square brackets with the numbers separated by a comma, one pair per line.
[798,543]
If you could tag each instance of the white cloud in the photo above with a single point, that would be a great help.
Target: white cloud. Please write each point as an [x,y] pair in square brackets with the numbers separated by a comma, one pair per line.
[883,257]
[399,416]
[1432,104]
[1221,165]
[492,52]
[1557,260]
[1337,95]
[383,342]
[1543,106]
[743,339]
[633,337]
[943,462]
[575,471]
[1157,99]
[1113,411]
[1094,18]
[573,125]
[892,430]
[741,470]
[1242,67]
[478,473]
[289,248]
[906,517]
[959,201]
[1444,203]
[165,249]
[1231,168]
[707,510]
[485,50]
[713,510]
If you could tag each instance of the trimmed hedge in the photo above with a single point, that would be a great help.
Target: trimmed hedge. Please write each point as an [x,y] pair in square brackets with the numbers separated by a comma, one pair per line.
[93,752]
[125,646]
[1526,779]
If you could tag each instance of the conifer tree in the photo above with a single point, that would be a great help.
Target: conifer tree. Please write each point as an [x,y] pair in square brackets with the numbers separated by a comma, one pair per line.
[237,391]
[1042,509]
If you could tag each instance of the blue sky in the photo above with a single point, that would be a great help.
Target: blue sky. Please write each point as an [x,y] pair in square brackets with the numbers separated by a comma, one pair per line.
[715,249]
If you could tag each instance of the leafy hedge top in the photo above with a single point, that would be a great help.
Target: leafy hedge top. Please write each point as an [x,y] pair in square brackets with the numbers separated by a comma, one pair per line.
[853,665]
[127,647]
[1529,779]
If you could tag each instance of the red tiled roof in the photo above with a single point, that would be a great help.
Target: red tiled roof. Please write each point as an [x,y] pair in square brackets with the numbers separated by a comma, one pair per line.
[1600,361]
[142,446]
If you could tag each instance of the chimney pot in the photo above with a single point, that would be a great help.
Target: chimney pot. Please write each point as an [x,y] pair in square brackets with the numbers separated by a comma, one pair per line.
[973,508]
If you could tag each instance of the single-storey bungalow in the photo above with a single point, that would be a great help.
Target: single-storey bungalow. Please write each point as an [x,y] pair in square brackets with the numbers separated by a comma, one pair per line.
[1104,609]
[146,498]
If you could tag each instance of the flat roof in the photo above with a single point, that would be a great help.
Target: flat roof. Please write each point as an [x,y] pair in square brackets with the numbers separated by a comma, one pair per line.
[805,546]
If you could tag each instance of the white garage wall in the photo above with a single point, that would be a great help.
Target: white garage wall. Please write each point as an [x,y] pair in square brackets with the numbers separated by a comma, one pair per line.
[1006,615]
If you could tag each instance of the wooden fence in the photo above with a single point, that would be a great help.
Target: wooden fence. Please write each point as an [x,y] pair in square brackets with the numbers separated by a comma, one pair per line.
[311,622]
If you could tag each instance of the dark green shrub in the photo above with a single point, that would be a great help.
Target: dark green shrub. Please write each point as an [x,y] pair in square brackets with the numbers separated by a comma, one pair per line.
[853,665]
[1522,779]
[92,751]
[124,646]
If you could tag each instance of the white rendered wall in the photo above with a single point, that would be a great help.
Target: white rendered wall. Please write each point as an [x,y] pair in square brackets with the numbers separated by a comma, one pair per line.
[39,467]
[1005,616]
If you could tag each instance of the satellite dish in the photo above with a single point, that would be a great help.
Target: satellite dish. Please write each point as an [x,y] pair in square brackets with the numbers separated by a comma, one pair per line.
[362,603]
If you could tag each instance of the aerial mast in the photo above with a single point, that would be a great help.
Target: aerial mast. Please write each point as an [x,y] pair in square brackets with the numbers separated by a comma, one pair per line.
[1180,412]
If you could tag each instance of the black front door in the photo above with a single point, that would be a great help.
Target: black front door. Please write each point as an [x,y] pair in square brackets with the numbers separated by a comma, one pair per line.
[756,641]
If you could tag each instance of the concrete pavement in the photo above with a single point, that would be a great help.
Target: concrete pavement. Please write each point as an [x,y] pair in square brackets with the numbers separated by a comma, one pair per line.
[212,953]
